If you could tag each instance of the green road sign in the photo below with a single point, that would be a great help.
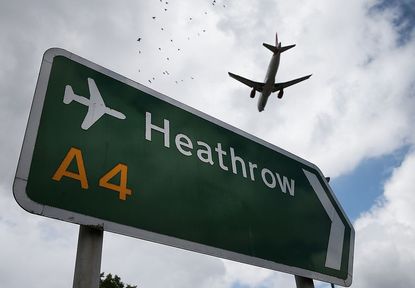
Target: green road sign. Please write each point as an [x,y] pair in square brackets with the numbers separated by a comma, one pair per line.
[103,150]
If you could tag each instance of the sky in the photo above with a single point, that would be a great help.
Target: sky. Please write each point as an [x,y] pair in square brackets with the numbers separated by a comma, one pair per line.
[353,118]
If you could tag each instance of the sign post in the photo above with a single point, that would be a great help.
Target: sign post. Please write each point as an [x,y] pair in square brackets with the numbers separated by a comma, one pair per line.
[88,257]
[101,150]
[302,282]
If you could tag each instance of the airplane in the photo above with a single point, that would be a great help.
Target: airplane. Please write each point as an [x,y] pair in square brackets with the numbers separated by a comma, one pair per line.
[269,86]
[95,104]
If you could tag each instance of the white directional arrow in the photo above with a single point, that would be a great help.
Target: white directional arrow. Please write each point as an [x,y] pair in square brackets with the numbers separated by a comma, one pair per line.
[335,246]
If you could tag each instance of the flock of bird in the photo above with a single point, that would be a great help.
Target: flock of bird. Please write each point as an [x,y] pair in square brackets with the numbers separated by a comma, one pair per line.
[174,43]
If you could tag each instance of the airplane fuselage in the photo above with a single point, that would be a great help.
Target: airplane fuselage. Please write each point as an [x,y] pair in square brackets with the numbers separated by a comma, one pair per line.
[269,81]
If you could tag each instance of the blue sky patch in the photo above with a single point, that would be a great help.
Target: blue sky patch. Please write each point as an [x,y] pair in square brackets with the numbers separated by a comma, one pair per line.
[404,22]
[358,190]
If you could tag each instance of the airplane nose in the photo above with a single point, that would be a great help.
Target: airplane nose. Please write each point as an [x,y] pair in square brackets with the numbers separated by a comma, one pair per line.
[260,105]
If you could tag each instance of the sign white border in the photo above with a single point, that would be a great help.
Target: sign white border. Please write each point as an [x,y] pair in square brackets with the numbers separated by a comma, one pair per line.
[22,173]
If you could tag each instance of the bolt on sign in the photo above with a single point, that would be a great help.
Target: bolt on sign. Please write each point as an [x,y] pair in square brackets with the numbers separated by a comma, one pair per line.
[103,150]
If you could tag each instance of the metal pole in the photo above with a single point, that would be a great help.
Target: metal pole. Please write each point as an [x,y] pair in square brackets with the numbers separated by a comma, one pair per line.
[303,282]
[88,257]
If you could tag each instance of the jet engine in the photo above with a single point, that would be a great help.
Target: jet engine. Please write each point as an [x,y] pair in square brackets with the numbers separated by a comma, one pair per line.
[280,94]
[252,93]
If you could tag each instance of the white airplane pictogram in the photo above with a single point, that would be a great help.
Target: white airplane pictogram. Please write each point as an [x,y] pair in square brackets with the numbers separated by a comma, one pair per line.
[95,104]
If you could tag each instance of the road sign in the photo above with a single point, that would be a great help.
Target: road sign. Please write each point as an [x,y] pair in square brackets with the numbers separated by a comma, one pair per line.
[105,151]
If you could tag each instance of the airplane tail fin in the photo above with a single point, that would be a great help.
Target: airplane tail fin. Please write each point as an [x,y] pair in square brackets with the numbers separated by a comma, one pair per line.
[278,49]
[285,48]
[274,49]
[69,95]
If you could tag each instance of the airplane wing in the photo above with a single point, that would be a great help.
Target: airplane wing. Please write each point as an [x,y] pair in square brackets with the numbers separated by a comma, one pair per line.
[96,107]
[256,85]
[282,85]
[94,95]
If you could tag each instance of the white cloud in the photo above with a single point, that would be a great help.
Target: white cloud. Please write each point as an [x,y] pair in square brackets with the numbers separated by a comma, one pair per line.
[385,236]
[35,251]
[362,79]
[152,265]
[358,104]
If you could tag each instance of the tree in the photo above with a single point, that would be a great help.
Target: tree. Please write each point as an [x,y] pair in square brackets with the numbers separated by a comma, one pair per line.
[112,282]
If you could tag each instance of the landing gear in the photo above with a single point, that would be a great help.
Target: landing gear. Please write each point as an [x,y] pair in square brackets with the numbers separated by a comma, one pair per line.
[252,93]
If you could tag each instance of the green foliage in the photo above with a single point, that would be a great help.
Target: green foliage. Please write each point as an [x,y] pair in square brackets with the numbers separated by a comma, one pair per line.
[112,282]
